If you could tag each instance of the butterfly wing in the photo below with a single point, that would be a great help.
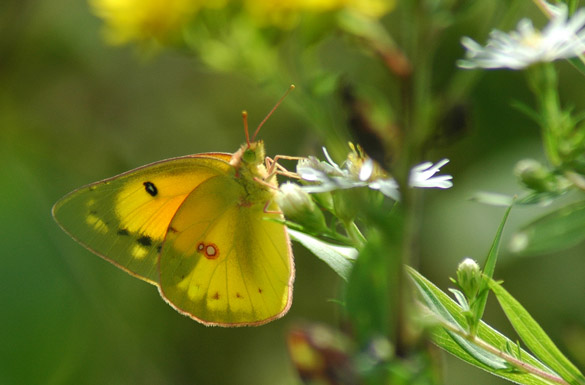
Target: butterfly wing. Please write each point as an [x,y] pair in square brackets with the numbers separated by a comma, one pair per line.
[222,262]
[124,219]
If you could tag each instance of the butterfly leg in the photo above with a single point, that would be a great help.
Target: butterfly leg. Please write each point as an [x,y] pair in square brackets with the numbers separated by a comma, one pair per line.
[266,211]
[273,167]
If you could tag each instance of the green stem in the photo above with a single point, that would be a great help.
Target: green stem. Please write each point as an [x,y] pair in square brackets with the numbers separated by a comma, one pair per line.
[355,235]
[544,84]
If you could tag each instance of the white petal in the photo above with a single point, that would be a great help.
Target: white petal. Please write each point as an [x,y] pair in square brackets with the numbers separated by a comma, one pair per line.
[366,170]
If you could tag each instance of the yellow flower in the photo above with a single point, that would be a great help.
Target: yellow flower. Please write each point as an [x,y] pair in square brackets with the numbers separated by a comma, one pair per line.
[370,8]
[144,20]
[285,13]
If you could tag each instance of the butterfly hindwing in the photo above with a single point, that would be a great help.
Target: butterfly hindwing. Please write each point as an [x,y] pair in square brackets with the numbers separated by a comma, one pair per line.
[223,261]
[124,219]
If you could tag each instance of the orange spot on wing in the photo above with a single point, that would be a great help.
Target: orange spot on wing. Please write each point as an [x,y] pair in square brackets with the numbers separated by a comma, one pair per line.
[216,295]
[209,251]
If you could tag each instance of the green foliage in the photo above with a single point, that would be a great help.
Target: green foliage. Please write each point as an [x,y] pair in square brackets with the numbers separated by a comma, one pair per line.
[488,349]
[557,230]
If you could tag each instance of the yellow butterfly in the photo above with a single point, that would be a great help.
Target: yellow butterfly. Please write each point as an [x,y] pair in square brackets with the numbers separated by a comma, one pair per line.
[198,227]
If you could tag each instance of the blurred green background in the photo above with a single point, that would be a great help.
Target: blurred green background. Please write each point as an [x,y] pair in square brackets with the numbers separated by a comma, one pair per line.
[73,111]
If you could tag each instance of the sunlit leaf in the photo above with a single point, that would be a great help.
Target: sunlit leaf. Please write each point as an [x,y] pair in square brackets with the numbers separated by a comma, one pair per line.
[339,258]
[534,336]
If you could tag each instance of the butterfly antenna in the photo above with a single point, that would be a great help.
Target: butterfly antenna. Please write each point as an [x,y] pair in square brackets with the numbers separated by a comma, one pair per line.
[245,119]
[292,87]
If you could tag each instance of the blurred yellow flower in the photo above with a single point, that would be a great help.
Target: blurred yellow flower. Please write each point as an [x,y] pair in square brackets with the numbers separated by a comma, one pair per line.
[370,8]
[285,13]
[144,20]
[160,20]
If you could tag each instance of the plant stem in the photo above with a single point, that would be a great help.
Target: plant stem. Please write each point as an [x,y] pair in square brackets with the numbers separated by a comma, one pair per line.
[544,83]
[355,234]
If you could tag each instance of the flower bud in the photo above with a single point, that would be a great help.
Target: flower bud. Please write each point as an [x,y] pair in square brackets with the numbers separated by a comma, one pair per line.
[535,176]
[469,277]
[298,206]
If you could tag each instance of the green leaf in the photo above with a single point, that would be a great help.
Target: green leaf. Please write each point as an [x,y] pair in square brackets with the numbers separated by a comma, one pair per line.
[534,336]
[446,310]
[461,299]
[339,258]
[488,270]
[492,258]
[493,199]
[554,231]
[503,200]
[577,62]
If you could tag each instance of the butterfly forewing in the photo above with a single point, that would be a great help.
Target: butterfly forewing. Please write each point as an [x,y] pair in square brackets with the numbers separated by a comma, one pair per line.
[125,218]
[223,262]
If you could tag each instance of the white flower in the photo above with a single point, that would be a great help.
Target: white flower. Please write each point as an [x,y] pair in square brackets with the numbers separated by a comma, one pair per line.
[422,175]
[562,38]
[361,171]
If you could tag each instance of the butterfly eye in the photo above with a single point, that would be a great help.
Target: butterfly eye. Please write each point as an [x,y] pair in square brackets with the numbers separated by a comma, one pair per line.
[249,156]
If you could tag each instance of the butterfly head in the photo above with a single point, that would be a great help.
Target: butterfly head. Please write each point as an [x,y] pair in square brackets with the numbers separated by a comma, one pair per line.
[250,155]
[254,153]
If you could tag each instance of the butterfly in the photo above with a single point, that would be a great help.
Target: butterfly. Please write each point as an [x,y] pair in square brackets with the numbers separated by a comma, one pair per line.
[204,229]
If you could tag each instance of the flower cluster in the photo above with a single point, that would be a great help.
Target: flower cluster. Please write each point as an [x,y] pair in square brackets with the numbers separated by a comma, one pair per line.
[360,170]
[562,38]
[160,20]
[144,20]
[286,12]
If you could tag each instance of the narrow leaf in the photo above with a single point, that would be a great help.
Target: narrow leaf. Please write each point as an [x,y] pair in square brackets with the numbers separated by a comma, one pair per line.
[489,267]
[461,299]
[503,200]
[534,336]
[339,258]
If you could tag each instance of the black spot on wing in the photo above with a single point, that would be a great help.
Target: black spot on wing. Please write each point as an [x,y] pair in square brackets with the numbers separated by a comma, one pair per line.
[123,232]
[150,188]
[145,240]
